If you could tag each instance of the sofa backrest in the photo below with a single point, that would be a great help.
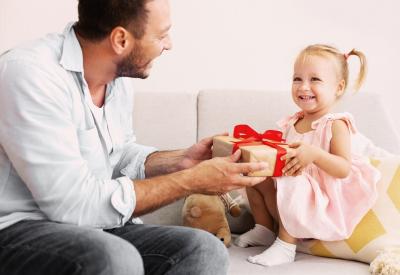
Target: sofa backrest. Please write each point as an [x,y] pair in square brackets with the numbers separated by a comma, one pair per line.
[165,120]
[220,110]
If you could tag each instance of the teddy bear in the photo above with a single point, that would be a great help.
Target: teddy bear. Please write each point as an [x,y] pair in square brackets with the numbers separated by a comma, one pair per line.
[208,212]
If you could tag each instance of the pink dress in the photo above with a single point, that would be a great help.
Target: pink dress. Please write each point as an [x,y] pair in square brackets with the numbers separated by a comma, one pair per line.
[315,204]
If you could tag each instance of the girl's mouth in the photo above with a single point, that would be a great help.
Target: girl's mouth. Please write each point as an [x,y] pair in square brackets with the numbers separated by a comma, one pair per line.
[306,97]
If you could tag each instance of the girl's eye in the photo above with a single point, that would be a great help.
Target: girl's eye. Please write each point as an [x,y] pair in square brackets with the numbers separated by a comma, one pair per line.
[296,79]
[315,79]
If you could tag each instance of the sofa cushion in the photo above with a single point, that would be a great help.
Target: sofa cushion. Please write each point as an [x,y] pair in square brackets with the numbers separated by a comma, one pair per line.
[167,215]
[303,264]
[166,120]
[378,230]
[220,110]
[372,119]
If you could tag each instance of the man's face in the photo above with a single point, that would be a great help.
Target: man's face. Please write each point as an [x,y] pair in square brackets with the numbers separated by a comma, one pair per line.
[155,40]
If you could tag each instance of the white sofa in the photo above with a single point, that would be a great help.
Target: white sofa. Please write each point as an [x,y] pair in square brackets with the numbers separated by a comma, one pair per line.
[172,120]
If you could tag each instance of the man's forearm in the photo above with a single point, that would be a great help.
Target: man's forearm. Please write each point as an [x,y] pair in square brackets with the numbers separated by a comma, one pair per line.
[214,176]
[163,162]
[156,192]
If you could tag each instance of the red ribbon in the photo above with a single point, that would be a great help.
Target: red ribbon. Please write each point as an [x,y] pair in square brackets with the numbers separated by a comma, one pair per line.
[272,138]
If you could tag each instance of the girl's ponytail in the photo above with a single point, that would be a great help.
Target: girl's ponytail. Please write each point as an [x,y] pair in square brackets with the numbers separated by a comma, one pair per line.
[341,59]
[363,67]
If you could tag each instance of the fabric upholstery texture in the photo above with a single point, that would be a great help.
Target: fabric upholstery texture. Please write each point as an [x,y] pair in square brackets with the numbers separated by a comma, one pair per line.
[166,120]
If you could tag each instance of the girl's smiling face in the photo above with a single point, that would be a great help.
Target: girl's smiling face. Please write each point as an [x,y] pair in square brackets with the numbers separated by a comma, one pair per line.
[316,86]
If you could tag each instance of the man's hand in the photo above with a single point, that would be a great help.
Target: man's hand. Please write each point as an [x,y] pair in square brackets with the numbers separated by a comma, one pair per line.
[222,174]
[198,152]
[298,157]
[214,176]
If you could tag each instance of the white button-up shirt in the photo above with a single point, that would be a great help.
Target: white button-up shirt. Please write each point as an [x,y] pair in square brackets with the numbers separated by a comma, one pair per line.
[54,162]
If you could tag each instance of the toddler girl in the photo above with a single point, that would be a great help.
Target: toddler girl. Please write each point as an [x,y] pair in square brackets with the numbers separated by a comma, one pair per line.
[325,190]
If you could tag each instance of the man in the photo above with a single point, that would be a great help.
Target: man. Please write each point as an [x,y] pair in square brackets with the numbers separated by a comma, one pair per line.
[71,175]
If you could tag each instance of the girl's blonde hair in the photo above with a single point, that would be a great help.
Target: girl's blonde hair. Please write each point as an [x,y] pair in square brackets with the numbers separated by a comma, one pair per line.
[341,60]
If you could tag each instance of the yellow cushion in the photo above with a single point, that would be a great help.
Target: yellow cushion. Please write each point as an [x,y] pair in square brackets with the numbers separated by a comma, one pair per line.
[380,227]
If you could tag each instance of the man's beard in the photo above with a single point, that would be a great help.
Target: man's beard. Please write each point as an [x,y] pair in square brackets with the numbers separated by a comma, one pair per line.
[128,67]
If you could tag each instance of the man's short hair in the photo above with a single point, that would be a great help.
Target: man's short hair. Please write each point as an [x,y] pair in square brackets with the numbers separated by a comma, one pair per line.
[97,18]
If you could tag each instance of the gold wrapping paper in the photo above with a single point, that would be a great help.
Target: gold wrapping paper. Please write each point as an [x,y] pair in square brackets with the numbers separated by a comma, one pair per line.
[223,145]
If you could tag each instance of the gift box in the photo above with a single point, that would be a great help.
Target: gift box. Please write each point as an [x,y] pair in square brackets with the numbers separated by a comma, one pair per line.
[255,147]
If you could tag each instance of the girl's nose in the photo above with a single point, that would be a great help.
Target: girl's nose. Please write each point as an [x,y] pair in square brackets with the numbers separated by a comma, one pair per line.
[304,86]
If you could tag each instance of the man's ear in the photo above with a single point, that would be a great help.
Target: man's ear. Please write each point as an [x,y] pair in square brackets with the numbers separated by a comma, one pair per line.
[121,40]
[340,89]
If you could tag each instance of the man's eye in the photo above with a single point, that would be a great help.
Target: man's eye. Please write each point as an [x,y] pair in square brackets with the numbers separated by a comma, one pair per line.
[162,37]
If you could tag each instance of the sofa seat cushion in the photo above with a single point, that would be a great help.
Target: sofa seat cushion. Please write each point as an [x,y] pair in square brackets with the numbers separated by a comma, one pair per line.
[303,264]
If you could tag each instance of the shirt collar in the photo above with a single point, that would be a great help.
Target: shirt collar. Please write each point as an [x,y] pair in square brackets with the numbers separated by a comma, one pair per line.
[71,57]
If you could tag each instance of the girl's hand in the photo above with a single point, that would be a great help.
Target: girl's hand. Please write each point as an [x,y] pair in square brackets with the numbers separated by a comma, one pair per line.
[298,157]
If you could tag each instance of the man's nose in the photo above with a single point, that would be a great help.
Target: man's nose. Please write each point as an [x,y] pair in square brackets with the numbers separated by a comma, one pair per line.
[168,43]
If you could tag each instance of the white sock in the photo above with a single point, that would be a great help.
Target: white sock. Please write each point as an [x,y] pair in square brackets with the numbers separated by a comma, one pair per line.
[280,252]
[258,236]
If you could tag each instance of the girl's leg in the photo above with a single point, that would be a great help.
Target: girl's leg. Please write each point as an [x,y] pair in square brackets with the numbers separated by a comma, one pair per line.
[258,196]
[283,250]
[263,233]
[285,236]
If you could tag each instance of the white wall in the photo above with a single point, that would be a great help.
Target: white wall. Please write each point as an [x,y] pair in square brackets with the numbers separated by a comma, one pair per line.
[22,20]
[244,44]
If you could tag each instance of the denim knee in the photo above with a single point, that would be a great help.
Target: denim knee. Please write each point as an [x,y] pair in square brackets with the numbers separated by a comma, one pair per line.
[111,257]
[211,254]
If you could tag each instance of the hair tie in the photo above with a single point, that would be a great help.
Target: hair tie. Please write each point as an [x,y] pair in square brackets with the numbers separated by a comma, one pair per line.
[346,55]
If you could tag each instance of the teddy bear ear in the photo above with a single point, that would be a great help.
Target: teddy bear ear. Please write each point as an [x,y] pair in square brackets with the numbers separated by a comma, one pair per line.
[195,212]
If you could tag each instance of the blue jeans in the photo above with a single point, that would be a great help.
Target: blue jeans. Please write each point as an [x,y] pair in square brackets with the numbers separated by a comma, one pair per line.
[44,247]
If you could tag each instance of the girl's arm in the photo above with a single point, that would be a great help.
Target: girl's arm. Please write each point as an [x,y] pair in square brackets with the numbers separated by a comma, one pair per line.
[336,162]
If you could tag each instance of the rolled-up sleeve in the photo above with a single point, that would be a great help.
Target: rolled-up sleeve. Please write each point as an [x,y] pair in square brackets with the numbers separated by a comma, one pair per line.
[40,139]
[132,162]
[123,199]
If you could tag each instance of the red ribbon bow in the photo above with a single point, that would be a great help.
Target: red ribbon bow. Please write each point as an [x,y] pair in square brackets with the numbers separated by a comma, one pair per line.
[272,138]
